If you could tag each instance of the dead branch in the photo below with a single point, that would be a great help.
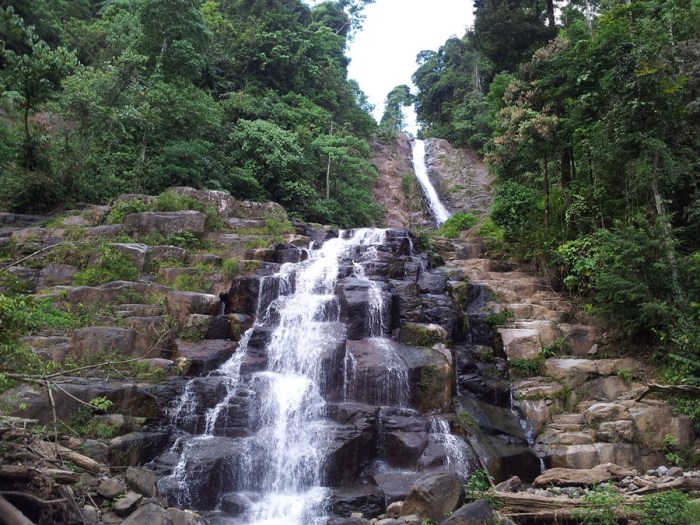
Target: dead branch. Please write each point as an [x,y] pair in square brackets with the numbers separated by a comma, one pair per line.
[10,515]
[669,389]
[31,497]
[22,472]
[683,484]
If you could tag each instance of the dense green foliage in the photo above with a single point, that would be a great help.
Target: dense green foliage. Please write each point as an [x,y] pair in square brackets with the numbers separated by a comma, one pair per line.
[589,123]
[245,96]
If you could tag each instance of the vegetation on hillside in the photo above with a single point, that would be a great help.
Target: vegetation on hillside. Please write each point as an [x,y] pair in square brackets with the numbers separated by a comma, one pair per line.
[100,98]
[589,122]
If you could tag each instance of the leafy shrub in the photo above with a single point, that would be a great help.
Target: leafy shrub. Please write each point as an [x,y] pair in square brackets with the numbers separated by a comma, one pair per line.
[599,506]
[230,268]
[667,508]
[111,265]
[171,201]
[519,368]
[123,208]
[459,222]
[515,208]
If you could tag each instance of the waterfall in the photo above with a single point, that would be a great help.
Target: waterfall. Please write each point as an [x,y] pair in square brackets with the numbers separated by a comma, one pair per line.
[284,448]
[437,209]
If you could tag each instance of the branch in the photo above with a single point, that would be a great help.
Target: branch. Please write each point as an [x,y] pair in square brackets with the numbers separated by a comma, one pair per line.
[669,389]
[10,515]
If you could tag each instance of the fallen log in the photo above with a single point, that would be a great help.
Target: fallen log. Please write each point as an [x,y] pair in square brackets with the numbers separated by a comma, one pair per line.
[668,389]
[523,505]
[10,515]
[79,459]
[682,484]
[26,473]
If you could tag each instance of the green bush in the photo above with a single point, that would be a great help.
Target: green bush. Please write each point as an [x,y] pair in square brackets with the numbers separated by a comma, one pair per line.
[230,268]
[171,201]
[111,265]
[456,224]
[123,208]
[516,209]
[668,508]
[599,506]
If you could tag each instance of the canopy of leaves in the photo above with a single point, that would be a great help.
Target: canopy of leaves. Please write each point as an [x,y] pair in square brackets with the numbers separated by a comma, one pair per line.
[245,96]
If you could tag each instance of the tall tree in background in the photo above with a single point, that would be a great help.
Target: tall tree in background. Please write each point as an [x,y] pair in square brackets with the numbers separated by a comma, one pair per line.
[393,120]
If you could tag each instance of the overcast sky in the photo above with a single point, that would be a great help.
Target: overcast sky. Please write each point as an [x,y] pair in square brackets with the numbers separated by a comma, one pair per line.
[383,53]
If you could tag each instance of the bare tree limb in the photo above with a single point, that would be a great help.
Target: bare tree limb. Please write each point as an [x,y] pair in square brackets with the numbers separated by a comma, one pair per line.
[669,389]
[10,515]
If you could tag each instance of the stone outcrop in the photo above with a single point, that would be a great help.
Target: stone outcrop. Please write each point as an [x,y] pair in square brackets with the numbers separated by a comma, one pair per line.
[396,189]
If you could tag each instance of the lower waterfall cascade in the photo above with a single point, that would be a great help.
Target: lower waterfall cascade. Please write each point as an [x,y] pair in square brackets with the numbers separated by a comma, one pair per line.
[321,410]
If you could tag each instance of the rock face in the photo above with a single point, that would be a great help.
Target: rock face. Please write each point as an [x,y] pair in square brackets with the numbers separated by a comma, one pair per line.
[397,190]
[397,356]
[460,178]
[382,335]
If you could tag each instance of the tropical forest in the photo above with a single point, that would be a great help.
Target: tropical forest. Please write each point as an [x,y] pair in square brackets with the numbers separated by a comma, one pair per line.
[235,292]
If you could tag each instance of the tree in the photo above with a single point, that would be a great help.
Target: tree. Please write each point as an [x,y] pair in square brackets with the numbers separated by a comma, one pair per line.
[175,34]
[393,119]
[31,78]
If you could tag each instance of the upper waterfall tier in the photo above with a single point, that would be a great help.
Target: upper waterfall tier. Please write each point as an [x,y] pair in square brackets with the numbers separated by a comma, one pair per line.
[437,209]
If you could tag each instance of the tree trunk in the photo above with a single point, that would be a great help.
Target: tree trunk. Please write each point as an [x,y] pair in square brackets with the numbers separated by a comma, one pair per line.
[550,14]
[328,172]
[546,190]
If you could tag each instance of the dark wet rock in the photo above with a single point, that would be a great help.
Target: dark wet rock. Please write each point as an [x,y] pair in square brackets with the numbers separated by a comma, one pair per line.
[355,299]
[211,464]
[243,295]
[366,499]
[351,441]
[394,484]
[235,504]
[136,448]
[201,357]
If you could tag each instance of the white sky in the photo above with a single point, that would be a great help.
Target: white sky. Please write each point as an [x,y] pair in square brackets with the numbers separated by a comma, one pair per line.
[383,53]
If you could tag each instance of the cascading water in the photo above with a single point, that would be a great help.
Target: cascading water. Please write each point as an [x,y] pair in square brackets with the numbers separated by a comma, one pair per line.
[437,209]
[285,452]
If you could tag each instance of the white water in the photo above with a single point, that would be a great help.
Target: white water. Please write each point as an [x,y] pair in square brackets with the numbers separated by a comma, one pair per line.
[437,209]
[290,404]
[456,449]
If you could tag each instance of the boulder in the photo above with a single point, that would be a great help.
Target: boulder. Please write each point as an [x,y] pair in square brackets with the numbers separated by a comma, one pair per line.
[136,252]
[127,504]
[182,304]
[185,517]
[476,513]
[520,343]
[164,223]
[94,339]
[434,496]
[110,488]
[56,274]
[142,481]
[163,252]
[149,514]
[198,358]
